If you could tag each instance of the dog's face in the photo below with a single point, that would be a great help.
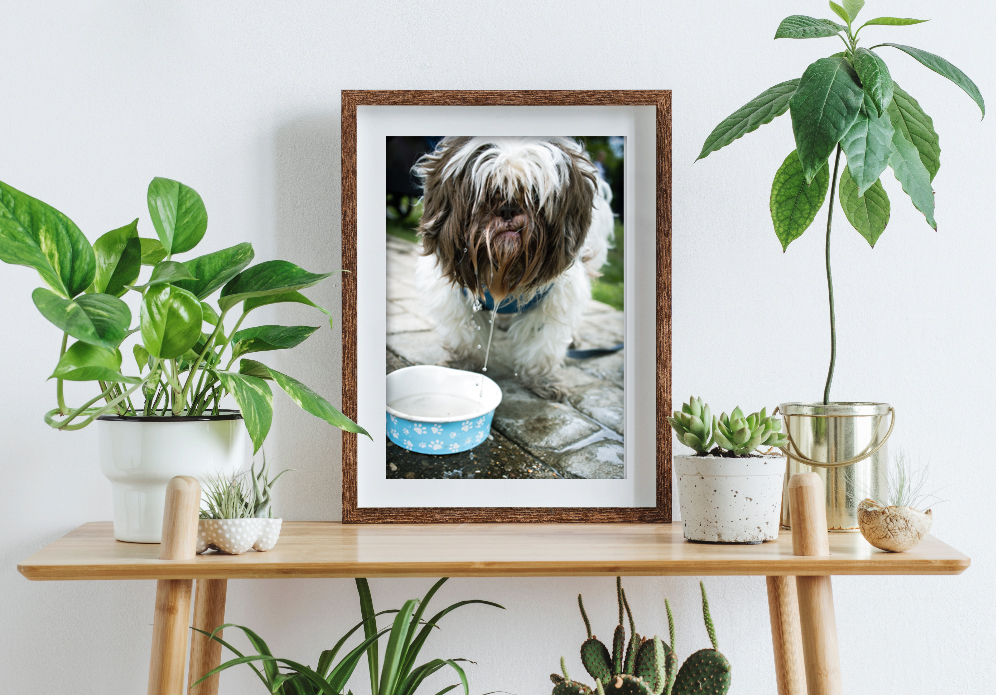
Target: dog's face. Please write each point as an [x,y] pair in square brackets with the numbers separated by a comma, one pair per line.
[505,214]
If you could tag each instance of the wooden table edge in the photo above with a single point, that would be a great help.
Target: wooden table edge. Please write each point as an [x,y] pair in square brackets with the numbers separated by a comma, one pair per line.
[478,569]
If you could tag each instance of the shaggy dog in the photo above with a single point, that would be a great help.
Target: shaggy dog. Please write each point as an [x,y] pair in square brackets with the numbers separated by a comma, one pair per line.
[518,224]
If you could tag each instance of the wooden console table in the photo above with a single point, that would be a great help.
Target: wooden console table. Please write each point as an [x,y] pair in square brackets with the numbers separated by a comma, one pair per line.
[797,566]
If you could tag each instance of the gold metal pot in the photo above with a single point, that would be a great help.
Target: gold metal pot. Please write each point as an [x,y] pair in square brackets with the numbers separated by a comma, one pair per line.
[845,444]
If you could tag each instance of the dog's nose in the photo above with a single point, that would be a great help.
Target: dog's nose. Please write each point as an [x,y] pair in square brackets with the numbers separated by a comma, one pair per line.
[509,211]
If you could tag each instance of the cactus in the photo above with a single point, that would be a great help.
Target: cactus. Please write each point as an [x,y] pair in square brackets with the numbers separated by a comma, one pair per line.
[741,434]
[646,666]
[263,490]
[563,685]
[626,684]
[706,672]
[694,424]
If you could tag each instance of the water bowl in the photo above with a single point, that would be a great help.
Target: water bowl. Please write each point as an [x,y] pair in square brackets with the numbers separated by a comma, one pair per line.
[439,411]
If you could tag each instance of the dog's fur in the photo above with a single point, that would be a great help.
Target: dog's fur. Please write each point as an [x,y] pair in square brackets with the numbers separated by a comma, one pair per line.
[518,217]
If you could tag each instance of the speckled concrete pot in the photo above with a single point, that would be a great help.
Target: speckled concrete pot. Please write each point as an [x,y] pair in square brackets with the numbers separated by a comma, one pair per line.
[236,536]
[893,529]
[730,500]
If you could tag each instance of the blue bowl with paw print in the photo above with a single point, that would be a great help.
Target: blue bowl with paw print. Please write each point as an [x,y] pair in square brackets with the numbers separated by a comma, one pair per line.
[438,410]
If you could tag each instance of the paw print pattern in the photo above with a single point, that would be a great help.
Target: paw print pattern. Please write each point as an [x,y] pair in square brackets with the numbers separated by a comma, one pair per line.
[438,438]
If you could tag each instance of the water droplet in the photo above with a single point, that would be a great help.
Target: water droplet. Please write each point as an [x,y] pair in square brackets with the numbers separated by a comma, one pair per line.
[516,374]
[478,328]
[478,347]
[484,369]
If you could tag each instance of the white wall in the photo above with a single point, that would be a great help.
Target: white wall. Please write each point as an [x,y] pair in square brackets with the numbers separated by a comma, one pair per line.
[241,101]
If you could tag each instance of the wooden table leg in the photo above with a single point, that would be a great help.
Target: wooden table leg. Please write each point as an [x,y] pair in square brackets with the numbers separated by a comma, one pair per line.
[172,617]
[205,653]
[786,636]
[816,613]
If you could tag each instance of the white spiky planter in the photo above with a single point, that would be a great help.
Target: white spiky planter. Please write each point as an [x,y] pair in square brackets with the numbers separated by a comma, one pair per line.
[236,536]
[730,500]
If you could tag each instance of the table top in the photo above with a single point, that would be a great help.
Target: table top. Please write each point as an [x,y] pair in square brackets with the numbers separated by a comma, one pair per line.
[329,549]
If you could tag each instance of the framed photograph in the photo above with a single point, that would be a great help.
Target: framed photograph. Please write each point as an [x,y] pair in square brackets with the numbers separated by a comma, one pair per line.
[506,310]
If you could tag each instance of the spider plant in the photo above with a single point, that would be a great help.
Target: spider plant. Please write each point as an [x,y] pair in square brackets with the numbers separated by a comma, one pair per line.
[399,675]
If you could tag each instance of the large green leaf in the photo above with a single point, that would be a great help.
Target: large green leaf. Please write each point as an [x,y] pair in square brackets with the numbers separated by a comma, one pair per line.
[307,399]
[178,214]
[167,273]
[215,269]
[824,107]
[875,78]
[152,251]
[255,401]
[839,11]
[852,7]
[763,108]
[36,235]
[913,175]
[267,278]
[85,362]
[868,213]
[266,338]
[119,260]
[800,26]
[794,202]
[892,22]
[295,297]
[943,67]
[97,319]
[171,321]
[918,127]
[142,357]
[868,146]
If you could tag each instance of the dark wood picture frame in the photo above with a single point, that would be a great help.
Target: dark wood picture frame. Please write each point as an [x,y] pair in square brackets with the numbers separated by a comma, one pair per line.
[351,513]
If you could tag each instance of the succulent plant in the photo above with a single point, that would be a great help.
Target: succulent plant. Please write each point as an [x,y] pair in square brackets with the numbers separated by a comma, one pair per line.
[263,490]
[741,434]
[646,666]
[694,424]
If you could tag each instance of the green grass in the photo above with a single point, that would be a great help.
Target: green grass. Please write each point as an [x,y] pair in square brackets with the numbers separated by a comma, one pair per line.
[609,288]
[402,230]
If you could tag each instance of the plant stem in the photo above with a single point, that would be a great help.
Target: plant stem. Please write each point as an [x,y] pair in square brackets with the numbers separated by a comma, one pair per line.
[833,320]
[59,391]
[207,347]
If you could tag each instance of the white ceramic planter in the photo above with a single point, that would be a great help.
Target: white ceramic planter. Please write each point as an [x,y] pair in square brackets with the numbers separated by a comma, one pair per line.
[730,500]
[236,536]
[139,455]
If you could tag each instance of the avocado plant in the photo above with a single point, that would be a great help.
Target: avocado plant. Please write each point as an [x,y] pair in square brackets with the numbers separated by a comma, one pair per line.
[846,102]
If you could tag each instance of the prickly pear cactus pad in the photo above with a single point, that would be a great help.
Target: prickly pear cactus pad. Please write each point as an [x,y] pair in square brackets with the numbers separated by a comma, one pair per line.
[596,659]
[706,672]
[625,684]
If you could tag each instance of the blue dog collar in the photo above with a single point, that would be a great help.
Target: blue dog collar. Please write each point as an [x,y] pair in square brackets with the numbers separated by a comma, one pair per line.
[510,306]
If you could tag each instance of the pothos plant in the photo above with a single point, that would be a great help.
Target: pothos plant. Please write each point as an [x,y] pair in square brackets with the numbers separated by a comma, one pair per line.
[185,356]
[847,102]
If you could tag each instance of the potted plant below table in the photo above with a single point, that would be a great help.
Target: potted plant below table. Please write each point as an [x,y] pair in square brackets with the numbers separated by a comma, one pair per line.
[167,419]
[730,492]
[845,103]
